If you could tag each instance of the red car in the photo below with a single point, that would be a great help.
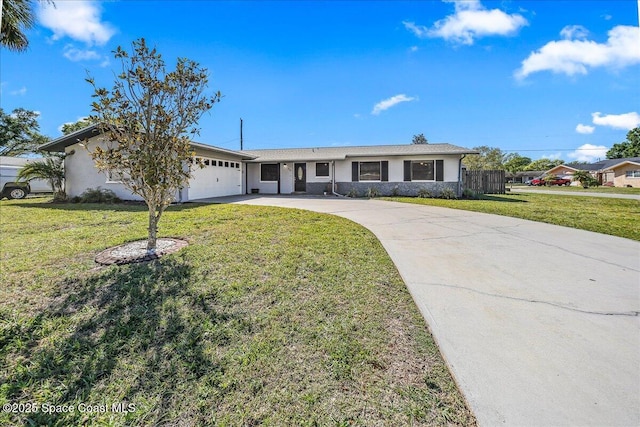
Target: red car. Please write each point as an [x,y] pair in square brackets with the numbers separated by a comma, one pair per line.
[550,181]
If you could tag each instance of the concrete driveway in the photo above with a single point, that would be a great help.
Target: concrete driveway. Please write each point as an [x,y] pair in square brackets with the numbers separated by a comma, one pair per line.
[539,323]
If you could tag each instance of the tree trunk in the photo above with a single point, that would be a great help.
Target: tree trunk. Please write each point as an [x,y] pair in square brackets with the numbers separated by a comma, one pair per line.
[153,230]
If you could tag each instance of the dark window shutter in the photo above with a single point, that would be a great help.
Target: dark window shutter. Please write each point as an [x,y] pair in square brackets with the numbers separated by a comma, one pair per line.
[439,170]
[407,170]
[384,170]
[354,172]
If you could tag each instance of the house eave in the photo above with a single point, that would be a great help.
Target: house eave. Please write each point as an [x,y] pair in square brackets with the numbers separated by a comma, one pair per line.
[59,144]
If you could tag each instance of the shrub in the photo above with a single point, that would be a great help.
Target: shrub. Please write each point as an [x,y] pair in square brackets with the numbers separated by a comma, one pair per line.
[423,193]
[98,195]
[395,192]
[373,192]
[352,192]
[469,194]
[448,193]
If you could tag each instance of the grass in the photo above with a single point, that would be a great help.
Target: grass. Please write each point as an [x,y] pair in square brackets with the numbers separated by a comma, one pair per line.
[579,189]
[618,217]
[269,317]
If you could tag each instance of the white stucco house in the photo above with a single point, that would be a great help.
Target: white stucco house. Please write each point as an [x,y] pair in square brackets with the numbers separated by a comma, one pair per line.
[391,169]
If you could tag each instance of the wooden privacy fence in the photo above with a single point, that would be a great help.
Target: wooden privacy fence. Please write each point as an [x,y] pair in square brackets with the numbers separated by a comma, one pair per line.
[485,181]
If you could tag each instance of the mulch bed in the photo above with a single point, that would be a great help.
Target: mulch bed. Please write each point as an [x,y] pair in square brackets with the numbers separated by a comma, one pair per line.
[134,252]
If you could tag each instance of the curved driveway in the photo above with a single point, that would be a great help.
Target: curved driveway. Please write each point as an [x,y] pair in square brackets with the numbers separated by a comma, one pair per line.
[539,323]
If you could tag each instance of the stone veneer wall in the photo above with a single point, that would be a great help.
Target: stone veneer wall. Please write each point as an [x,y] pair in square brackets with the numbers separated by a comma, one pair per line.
[318,187]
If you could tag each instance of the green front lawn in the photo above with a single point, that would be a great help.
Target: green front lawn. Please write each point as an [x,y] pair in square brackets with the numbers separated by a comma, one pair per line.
[269,317]
[579,189]
[618,217]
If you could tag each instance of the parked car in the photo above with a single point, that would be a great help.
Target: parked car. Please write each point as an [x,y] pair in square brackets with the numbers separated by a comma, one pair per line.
[11,187]
[550,181]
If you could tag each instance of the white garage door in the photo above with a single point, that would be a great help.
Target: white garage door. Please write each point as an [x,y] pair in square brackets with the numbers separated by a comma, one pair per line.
[216,179]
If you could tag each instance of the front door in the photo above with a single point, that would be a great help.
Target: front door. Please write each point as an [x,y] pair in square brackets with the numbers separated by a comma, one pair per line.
[300,180]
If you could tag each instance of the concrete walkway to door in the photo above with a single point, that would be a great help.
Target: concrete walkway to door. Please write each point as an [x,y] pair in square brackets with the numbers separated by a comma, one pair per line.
[539,323]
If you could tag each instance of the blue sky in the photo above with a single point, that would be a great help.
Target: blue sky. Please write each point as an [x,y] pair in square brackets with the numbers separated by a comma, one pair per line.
[557,79]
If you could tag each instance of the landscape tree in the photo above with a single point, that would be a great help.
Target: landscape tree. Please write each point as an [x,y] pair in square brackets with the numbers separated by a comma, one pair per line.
[17,17]
[628,148]
[19,132]
[68,128]
[543,164]
[490,158]
[49,169]
[419,139]
[147,118]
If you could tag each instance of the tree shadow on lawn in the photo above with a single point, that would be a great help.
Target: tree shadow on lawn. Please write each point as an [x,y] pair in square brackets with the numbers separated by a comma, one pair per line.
[135,334]
[492,198]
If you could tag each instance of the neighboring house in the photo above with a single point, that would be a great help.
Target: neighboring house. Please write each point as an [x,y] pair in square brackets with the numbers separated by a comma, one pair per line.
[391,169]
[522,177]
[617,172]
[625,173]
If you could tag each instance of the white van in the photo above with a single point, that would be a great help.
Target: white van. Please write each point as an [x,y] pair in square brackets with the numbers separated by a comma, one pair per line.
[10,187]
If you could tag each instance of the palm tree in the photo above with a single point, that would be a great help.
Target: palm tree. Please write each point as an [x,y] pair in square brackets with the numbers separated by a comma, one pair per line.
[49,169]
[17,16]
[583,176]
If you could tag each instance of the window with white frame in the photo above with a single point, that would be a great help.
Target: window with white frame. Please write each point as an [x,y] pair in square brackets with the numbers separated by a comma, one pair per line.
[633,173]
[422,170]
[116,177]
[370,171]
[268,172]
[322,169]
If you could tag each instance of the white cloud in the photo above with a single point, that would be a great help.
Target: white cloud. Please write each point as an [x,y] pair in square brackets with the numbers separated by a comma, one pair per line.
[571,32]
[74,54]
[418,30]
[413,48]
[624,121]
[390,102]
[575,56]
[585,129]
[471,21]
[19,92]
[588,153]
[79,20]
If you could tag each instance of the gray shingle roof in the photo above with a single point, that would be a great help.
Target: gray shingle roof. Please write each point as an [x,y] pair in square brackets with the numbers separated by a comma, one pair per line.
[340,153]
[603,164]
[59,144]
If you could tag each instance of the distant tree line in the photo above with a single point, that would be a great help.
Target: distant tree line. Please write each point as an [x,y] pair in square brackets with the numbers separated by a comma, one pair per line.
[494,158]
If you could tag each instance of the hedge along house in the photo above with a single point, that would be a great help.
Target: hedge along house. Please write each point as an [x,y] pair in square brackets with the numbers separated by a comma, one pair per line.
[222,173]
[390,169]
